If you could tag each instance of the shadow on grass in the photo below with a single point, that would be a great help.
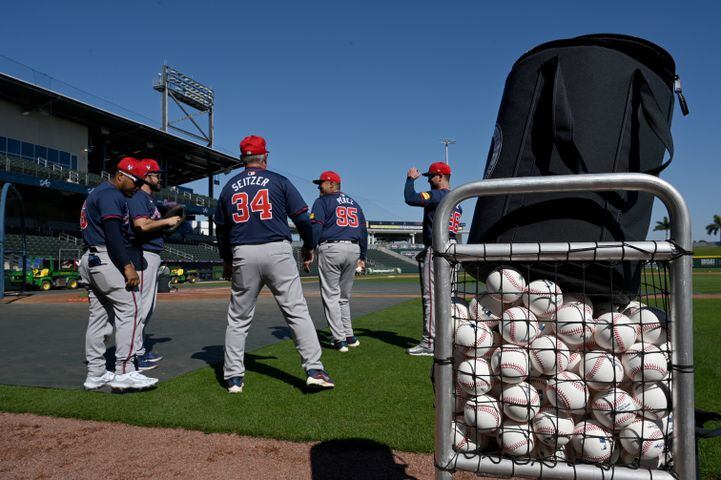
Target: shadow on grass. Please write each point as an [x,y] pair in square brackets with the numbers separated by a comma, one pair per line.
[213,356]
[391,338]
[356,459]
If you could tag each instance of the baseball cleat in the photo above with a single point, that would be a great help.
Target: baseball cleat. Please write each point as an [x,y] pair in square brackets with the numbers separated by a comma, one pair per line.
[235,384]
[340,345]
[92,383]
[152,357]
[319,378]
[420,350]
[144,365]
[132,381]
[352,341]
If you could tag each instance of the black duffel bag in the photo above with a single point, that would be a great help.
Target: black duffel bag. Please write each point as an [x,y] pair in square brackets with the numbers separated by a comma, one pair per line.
[591,104]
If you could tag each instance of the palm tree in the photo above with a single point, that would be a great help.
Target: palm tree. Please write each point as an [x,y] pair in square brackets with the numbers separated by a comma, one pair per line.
[715,227]
[663,225]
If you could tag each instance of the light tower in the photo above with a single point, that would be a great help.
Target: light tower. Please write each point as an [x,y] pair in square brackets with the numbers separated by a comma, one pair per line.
[446,142]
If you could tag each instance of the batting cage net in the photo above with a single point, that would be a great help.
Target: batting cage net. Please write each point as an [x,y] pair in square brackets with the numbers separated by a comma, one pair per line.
[553,368]
[555,374]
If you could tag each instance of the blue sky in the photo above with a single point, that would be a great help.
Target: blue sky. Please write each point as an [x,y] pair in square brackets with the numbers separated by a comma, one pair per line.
[366,88]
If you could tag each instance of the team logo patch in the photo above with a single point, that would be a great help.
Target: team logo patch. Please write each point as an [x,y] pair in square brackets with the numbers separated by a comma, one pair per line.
[426,195]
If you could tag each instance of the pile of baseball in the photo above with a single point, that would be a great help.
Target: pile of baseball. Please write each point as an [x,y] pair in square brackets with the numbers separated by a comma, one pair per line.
[545,374]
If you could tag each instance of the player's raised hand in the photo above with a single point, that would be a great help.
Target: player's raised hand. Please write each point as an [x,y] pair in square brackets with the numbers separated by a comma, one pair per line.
[413,173]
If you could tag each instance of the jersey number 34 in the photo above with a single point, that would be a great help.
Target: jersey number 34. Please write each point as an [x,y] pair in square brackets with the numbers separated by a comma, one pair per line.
[260,204]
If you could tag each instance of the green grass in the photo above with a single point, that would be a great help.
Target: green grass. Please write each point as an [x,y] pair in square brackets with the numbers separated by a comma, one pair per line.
[707,251]
[382,395]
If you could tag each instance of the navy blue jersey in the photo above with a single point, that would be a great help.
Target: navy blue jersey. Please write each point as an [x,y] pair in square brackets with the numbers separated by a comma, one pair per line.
[429,201]
[336,216]
[254,207]
[104,202]
[142,205]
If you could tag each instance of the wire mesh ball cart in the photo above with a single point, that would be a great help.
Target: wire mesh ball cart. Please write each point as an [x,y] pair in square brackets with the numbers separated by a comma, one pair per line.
[540,378]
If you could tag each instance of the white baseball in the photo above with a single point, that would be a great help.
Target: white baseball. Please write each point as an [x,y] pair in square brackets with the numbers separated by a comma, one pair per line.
[505,284]
[474,376]
[649,327]
[667,350]
[543,298]
[459,308]
[592,442]
[580,299]
[628,459]
[516,438]
[539,383]
[552,428]
[497,342]
[614,332]
[519,326]
[614,409]
[632,306]
[520,402]
[601,370]
[654,398]
[644,362]
[573,325]
[485,309]
[467,439]
[473,339]
[567,392]
[483,412]
[574,362]
[546,452]
[642,439]
[510,363]
[549,355]
[665,424]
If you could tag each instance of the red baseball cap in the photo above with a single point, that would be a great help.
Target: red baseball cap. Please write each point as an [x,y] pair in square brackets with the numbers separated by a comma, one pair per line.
[148,165]
[252,145]
[131,167]
[438,168]
[329,176]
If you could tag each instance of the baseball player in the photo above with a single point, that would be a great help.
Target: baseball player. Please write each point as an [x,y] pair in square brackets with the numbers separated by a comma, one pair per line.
[439,177]
[148,227]
[254,241]
[339,231]
[106,267]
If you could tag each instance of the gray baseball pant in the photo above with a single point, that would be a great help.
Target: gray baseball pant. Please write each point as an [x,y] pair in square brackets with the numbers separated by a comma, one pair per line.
[426,264]
[148,296]
[271,264]
[111,305]
[336,265]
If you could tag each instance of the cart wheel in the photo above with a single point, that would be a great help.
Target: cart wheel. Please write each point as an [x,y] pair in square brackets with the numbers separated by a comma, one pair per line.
[192,279]
[72,284]
[46,285]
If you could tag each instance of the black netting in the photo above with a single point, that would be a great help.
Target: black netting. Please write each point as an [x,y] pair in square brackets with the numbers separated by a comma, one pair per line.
[542,372]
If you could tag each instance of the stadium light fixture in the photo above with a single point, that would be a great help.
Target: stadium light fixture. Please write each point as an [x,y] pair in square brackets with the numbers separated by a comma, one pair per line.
[446,142]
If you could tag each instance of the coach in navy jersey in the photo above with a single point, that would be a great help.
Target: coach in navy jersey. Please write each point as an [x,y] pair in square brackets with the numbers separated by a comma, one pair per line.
[106,267]
[148,228]
[439,178]
[254,241]
[339,231]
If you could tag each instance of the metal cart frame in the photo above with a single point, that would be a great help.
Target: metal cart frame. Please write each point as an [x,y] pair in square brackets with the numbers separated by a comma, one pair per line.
[681,312]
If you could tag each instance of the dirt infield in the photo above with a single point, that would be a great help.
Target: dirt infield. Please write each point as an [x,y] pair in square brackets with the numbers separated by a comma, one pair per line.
[33,446]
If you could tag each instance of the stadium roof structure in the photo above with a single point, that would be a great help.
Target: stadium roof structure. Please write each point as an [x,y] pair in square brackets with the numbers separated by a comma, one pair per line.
[185,160]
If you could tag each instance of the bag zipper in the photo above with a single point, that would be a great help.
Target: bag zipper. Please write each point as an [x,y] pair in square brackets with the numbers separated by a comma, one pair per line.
[679,93]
